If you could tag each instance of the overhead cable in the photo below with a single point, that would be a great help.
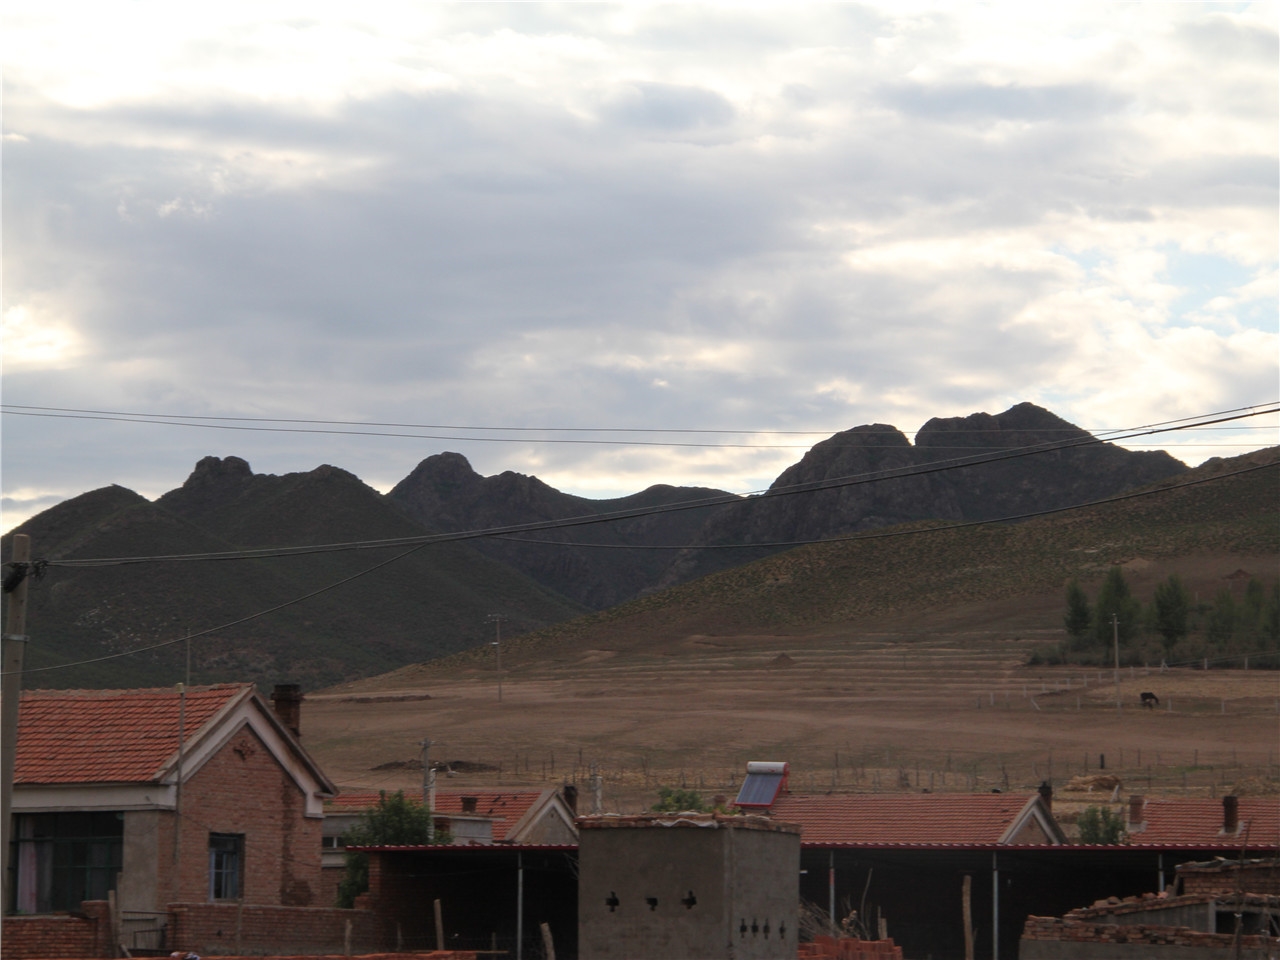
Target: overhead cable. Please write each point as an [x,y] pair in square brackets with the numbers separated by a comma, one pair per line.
[913,531]
[636,512]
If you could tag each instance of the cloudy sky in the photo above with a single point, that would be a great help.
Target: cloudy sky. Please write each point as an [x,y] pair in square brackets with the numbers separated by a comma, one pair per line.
[761,219]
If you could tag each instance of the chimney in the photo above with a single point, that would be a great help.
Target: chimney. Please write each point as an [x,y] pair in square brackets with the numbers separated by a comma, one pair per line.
[1230,814]
[469,804]
[571,798]
[1046,794]
[288,700]
[1137,806]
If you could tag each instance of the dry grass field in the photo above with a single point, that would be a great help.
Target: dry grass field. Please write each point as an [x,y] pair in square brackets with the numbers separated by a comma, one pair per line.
[850,710]
[889,663]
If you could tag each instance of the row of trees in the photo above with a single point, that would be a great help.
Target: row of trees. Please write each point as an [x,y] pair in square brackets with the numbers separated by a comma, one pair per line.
[1182,625]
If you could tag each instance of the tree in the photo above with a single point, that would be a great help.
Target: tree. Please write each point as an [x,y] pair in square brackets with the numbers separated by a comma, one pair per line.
[1271,614]
[1101,825]
[1172,607]
[1079,617]
[674,801]
[1114,599]
[395,821]
[1222,618]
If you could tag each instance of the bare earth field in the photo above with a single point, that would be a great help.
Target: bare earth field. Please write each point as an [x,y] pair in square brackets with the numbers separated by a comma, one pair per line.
[907,707]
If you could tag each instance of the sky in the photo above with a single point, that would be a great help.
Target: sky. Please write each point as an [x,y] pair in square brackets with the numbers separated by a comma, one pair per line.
[554,228]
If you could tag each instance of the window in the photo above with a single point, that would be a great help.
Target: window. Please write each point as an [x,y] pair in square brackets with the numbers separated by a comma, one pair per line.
[63,858]
[226,856]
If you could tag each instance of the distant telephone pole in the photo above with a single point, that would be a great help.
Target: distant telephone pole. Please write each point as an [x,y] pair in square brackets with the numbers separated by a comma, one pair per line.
[496,619]
[12,649]
[429,790]
[1115,644]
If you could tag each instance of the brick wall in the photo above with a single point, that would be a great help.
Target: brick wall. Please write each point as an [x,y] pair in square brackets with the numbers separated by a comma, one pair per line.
[1075,937]
[37,938]
[1224,878]
[243,790]
[228,929]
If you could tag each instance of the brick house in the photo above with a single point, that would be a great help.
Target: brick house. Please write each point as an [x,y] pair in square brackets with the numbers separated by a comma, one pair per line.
[165,801]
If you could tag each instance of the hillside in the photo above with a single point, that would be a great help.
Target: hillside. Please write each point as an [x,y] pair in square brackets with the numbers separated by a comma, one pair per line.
[898,663]
[915,571]
[593,565]
[444,493]
[1056,477]
[426,604]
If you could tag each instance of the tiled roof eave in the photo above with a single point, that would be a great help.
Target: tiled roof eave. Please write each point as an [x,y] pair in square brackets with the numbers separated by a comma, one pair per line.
[473,847]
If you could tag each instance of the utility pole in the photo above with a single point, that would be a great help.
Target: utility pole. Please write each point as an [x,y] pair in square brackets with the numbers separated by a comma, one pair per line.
[1115,644]
[496,619]
[12,649]
[429,791]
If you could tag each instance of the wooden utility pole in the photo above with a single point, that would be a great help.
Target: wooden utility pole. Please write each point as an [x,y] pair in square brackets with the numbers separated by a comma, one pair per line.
[966,896]
[497,619]
[429,790]
[1115,642]
[12,649]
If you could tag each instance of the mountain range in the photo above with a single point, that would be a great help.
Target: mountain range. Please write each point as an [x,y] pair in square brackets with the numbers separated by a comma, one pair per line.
[435,599]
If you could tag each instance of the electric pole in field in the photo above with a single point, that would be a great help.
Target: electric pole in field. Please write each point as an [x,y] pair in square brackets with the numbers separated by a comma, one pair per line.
[497,619]
[429,790]
[1115,644]
[12,649]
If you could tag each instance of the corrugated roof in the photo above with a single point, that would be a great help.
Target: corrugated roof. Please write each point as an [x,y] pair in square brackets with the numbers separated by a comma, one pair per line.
[1192,820]
[938,818]
[506,807]
[109,736]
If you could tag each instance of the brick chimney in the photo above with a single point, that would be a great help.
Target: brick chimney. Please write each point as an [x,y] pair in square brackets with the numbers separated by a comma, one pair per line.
[1137,808]
[1046,794]
[1230,814]
[469,804]
[287,698]
[571,798]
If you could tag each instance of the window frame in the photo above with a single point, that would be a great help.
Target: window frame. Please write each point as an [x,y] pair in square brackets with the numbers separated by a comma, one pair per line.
[226,866]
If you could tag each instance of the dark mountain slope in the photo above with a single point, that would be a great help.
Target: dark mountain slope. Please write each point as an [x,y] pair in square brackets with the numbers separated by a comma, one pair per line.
[926,569]
[1042,481]
[428,603]
[445,493]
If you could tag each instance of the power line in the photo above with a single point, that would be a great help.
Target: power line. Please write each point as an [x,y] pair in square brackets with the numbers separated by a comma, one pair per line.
[633,513]
[232,623]
[329,428]
[915,531]
[885,535]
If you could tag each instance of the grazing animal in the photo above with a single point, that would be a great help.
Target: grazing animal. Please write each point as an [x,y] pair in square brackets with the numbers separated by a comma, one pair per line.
[1150,700]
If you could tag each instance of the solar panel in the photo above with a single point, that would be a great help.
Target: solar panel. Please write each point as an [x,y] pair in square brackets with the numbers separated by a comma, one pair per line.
[762,784]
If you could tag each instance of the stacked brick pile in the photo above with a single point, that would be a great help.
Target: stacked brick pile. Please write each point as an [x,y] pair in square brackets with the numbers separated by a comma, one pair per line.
[849,948]
[1223,876]
[1065,929]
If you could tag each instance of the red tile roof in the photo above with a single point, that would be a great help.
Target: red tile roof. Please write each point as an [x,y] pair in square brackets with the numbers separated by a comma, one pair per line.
[1190,820]
[938,818]
[108,736]
[506,807]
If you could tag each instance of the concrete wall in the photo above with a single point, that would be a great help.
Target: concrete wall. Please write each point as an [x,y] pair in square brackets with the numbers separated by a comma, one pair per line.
[138,879]
[686,888]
